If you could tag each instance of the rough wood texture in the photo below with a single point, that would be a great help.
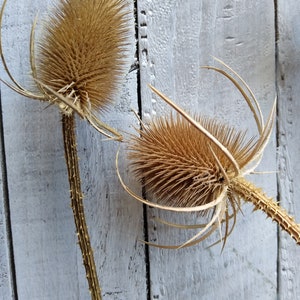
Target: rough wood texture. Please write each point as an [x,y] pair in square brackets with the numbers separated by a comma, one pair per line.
[47,257]
[174,39]
[288,76]
[42,226]
[6,282]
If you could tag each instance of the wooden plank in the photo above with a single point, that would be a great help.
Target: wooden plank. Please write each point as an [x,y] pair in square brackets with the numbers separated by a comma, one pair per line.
[175,39]
[6,283]
[115,220]
[288,77]
[47,265]
[47,257]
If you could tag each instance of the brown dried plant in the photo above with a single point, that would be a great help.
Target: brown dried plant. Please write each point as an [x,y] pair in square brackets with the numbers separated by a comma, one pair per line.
[77,65]
[80,58]
[196,164]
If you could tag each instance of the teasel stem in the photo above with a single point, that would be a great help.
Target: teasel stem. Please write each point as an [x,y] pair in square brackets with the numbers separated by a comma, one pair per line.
[250,193]
[69,135]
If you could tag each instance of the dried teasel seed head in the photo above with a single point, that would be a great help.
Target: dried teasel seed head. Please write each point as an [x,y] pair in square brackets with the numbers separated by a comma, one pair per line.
[81,58]
[177,162]
[194,164]
[81,53]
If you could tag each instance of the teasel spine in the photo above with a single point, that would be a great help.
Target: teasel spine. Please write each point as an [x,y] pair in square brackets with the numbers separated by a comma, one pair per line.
[171,154]
[250,193]
[76,195]
[80,62]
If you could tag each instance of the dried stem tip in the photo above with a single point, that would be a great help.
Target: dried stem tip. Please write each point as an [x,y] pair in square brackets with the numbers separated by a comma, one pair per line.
[81,53]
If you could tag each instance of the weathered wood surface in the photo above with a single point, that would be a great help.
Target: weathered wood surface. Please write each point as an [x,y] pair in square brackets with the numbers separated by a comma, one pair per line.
[288,76]
[180,36]
[47,258]
[174,39]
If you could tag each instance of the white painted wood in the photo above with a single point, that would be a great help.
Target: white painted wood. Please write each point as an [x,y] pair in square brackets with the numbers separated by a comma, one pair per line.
[175,39]
[6,290]
[288,77]
[47,263]
[114,219]
[47,257]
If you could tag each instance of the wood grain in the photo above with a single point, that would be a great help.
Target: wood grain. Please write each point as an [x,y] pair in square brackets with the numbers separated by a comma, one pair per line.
[288,76]
[47,263]
[176,38]
[47,257]
[6,259]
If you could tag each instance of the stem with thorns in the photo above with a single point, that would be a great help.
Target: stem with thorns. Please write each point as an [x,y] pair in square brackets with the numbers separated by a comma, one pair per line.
[68,123]
[251,193]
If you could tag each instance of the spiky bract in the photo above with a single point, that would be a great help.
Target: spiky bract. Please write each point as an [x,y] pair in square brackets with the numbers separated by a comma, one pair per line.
[201,163]
[198,164]
[81,53]
[177,161]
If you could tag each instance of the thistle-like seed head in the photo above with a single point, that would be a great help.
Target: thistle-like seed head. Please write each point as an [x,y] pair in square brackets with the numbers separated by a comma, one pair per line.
[194,164]
[81,54]
[81,58]
[177,161]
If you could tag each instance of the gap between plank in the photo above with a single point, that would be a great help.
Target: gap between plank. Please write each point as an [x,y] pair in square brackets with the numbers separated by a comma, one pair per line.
[6,212]
[140,109]
[276,28]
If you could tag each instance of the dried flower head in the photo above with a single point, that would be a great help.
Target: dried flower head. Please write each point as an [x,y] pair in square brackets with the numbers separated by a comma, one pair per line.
[199,164]
[80,57]
[177,162]
[79,63]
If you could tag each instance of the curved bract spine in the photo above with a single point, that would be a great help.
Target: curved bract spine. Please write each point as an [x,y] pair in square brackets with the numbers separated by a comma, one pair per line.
[81,60]
[192,163]
[77,65]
